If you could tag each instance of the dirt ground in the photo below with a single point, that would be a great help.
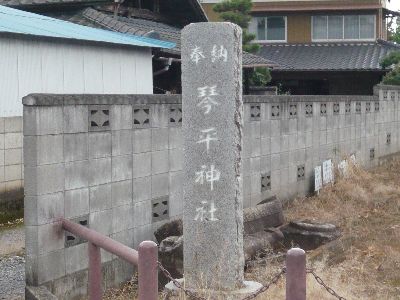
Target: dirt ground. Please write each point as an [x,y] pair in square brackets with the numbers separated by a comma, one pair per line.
[364,263]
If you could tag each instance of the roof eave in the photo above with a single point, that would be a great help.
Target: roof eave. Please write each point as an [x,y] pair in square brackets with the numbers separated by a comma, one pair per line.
[73,40]
[391,12]
[278,7]
[251,66]
[198,8]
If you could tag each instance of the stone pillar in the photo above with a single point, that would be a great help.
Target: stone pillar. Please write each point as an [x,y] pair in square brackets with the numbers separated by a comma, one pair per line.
[212,131]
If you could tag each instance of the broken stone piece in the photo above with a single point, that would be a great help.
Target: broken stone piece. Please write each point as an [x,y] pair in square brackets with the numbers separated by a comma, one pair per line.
[263,216]
[309,235]
[258,218]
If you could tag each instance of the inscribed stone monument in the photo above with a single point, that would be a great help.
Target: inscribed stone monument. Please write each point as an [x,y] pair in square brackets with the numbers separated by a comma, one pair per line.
[212,130]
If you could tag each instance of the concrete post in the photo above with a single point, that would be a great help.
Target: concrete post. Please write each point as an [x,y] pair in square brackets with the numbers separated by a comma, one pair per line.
[95,278]
[148,271]
[296,274]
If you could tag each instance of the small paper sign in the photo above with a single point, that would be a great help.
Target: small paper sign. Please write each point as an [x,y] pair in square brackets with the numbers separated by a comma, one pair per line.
[353,159]
[318,178]
[327,171]
[343,168]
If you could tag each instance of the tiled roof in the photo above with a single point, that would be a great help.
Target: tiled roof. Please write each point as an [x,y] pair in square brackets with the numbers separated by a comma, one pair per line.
[155,30]
[344,56]
[252,60]
[14,21]
[135,26]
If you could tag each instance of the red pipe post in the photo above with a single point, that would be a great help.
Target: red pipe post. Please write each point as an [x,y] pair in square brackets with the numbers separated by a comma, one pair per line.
[148,271]
[95,278]
[296,274]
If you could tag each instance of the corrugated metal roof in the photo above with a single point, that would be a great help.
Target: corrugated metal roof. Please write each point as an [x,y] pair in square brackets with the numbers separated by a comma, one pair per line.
[345,56]
[21,22]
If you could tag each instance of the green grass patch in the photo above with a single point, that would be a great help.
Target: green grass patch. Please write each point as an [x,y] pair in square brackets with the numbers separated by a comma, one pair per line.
[10,217]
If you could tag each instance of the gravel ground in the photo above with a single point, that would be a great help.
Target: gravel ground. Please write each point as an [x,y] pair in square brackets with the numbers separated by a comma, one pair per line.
[12,263]
[12,277]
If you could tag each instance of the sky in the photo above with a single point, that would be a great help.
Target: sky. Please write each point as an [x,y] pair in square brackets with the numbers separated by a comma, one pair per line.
[394,5]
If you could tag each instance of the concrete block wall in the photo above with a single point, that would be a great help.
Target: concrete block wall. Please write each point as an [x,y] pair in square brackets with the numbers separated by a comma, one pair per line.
[11,166]
[115,161]
[111,163]
[287,136]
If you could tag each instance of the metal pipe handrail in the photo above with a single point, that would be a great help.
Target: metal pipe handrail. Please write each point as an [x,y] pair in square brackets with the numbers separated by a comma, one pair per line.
[146,259]
[102,241]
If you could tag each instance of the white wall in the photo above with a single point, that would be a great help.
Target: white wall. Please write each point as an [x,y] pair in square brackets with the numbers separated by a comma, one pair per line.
[36,66]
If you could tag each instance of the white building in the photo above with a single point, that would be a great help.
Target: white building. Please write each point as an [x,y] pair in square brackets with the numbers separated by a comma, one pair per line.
[39,54]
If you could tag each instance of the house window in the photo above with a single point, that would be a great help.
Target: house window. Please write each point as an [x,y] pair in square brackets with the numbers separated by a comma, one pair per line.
[320,27]
[271,29]
[351,28]
[335,27]
[348,27]
[367,27]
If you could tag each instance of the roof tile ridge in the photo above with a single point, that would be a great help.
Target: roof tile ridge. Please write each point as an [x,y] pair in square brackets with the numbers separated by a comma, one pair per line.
[110,22]
[387,43]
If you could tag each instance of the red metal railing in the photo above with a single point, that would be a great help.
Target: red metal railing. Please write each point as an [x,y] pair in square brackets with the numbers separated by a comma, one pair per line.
[145,259]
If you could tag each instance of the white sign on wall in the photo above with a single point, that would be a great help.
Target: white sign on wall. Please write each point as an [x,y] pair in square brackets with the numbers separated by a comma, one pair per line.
[318,178]
[327,171]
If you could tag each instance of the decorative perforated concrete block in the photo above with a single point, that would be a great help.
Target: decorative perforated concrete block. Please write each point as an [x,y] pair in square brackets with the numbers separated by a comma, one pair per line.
[323,109]
[372,153]
[275,111]
[266,182]
[255,112]
[175,115]
[358,107]
[348,107]
[141,117]
[376,106]
[99,118]
[367,107]
[160,209]
[336,108]
[73,240]
[388,138]
[385,95]
[292,110]
[300,172]
[309,109]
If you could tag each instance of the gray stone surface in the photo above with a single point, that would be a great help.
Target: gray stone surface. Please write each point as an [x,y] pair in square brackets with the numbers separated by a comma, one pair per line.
[212,189]
[248,288]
